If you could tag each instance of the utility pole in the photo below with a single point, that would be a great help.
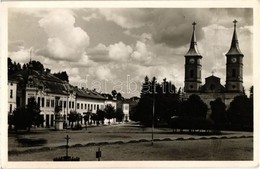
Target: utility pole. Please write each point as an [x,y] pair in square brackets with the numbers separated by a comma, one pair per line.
[154,87]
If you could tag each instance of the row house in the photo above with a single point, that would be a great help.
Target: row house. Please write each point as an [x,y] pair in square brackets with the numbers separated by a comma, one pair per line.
[49,92]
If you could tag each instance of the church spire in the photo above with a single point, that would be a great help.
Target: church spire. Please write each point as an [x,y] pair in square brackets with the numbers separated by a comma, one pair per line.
[234,49]
[193,51]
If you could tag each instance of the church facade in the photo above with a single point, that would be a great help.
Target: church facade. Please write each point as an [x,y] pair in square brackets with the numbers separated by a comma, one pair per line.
[213,89]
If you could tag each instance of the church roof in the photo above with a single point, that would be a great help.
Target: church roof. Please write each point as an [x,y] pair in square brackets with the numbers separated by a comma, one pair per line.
[212,77]
[234,49]
[193,51]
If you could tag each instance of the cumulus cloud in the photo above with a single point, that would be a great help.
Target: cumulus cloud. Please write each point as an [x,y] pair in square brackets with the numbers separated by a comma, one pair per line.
[126,18]
[141,54]
[14,46]
[122,53]
[173,26]
[65,41]
[119,51]
[102,72]
[98,53]
[21,54]
[92,16]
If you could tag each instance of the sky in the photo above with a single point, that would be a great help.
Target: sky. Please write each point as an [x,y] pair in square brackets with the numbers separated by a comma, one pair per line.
[115,48]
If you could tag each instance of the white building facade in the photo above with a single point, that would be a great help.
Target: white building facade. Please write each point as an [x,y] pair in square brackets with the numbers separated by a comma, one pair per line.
[12,92]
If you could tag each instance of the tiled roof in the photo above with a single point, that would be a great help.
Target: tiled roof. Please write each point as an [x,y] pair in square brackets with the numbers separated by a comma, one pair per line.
[86,93]
[44,80]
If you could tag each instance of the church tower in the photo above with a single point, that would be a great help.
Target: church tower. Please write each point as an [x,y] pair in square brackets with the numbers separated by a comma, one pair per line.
[193,66]
[234,65]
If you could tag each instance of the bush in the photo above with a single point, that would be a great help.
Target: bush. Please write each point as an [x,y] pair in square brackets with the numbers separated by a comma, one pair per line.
[31,142]
[77,127]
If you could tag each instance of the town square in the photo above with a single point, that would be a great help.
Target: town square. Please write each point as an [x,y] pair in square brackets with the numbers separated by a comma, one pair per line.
[130,84]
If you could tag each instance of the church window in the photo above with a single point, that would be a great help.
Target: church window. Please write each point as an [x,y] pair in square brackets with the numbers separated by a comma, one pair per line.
[233,72]
[191,86]
[192,73]
[234,86]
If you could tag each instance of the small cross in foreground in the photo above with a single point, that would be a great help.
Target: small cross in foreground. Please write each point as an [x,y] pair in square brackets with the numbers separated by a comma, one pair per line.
[67,146]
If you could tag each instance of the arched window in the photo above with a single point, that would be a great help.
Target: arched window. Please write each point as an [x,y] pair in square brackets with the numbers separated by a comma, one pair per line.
[233,72]
[192,73]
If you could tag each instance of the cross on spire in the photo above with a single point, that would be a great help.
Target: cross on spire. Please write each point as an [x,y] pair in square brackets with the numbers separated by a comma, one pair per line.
[194,24]
[212,72]
[235,23]
[30,55]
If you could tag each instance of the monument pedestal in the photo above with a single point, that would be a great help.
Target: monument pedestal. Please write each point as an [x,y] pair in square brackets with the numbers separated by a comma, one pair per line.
[59,125]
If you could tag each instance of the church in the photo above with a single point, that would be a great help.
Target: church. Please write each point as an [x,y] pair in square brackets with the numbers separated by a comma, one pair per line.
[213,89]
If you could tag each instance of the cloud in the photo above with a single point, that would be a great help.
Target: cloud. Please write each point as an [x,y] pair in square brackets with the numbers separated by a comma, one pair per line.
[172,26]
[14,46]
[126,18]
[141,54]
[119,51]
[21,55]
[102,72]
[92,16]
[99,53]
[65,41]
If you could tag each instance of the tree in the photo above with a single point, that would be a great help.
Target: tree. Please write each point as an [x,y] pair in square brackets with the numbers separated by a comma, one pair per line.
[240,113]
[194,107]
[13,66]
[119,114]
[146,87]
[62,75]
[218,113]
[114,93]
[119,96]
[165,98]
[101,115]
[74,117]
[110,112]
[25,117]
